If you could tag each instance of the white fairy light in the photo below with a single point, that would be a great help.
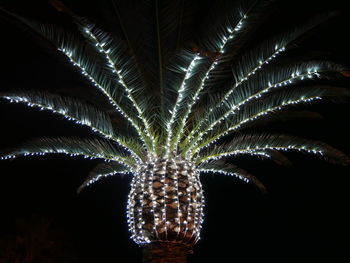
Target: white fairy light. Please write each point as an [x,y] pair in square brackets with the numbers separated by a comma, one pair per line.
[65,152]
[117,107]
[195,97]
[112,65]
[185,216]
[166,200]
[100,176]
[255,151]
[189,199]
[238,83]
[178,102]
[236,175]
[67,116]
[237,107]
[237,126]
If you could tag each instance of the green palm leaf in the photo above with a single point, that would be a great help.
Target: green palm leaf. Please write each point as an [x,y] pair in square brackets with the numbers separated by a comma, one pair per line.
[262,108]
[249,144]
[103,170]
[88,148]
[225,168]
[179,94]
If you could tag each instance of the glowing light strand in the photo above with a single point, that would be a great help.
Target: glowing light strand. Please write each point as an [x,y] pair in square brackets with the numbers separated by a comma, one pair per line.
[136,204]
[100,176]
[117,107]
[141,222]
[189,197]
[199,214]
[177,105]
[237,126]
[257,95]
[227,95]
[164,188]
[181,220]
[153,196]
[176,184]
[252,72]
[253,151]
[71,154]
[195,97]
[112,66]
[130,209]
[69,117]
[236,175]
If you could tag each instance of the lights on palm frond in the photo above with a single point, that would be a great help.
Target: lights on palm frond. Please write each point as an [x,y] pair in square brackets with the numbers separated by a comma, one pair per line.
[231,34]
[238,83]
[64,113]
[100,176]
[58,151]
[237,175]
[257,151]
[117,107]
[253,72]
[113,67]
[256,116]
[83,70]
[201,86]
[166,200]
[294,76]
[178,102]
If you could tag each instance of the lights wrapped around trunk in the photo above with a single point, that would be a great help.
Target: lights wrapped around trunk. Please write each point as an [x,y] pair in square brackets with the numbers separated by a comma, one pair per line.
[165,203]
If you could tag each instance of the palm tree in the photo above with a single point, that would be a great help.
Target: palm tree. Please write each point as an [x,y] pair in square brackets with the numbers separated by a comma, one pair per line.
[174,110]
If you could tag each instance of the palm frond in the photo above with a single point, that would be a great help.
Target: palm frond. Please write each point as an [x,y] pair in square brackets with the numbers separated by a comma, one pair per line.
[267,52]
[181,90]
[88,148]
[124,70]
[89,65]
[275,156]
[249,144]
[262,84]
[69,108]
[77,111]
[264,107]
[101,171]
[235,24]
[187,91]
[228,169]
[251,62]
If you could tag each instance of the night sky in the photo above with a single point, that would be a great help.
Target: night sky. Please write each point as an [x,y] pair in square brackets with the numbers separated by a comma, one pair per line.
[305,213]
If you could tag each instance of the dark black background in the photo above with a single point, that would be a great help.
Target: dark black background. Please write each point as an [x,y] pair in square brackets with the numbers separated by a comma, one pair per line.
[305,214]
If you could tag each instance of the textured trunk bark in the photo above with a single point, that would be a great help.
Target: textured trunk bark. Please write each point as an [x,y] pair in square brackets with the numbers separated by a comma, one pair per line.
[164,252]
[165,203]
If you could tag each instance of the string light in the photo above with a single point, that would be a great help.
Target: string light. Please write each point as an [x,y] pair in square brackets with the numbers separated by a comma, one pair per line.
[195,97]
[112,66]
[236,175]
[255,151]
[265,112]
[166,200]
[66,152]
[117,107]
[179,99]
[233,109]
[175,202]
[100,176]
[66,115]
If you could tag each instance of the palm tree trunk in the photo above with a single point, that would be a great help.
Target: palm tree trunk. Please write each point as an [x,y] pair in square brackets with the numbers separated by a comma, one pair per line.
[165,252]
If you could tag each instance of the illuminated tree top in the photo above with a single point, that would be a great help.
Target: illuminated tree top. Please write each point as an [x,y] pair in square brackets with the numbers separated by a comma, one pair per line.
[185,115]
